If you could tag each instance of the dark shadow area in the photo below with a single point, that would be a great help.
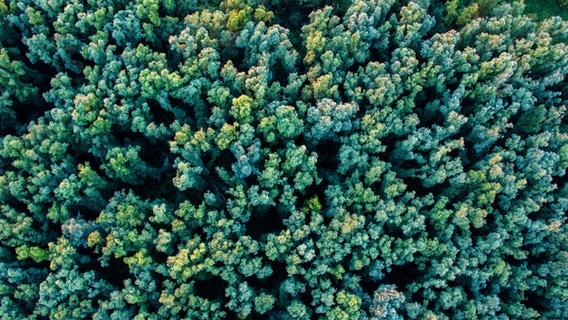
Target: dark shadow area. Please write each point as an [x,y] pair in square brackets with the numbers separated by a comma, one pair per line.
[127,137]
[327,152]
[77,62]
[279,74]
[369,286]
[469,106]
[403,275]
[394,230]
[389,141]
[17,205]
[536,302]
[115,273]
[26,112]
[187,114]
[87,213]
[445,188]
[224,160]
[236,55]
[252,180]
[161,115]
[87,157]
[415,184]
[264,221]
[405,167]
[210,287]
[156,154]
[161,188]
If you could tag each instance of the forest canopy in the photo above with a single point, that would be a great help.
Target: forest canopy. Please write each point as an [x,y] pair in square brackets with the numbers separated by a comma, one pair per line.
[250,159]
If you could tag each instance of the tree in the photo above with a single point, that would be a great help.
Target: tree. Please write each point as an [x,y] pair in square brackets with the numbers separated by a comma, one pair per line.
[282,159]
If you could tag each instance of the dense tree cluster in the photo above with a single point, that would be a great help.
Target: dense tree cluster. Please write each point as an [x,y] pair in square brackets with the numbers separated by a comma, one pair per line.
[166,159]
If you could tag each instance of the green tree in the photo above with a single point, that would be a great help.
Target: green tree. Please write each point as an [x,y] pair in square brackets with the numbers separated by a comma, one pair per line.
[282,159]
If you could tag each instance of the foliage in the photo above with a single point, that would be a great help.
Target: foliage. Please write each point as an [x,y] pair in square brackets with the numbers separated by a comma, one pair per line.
[545,9]
[282,159]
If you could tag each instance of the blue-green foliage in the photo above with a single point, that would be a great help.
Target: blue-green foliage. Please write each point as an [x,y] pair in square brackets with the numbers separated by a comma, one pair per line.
[282,159]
